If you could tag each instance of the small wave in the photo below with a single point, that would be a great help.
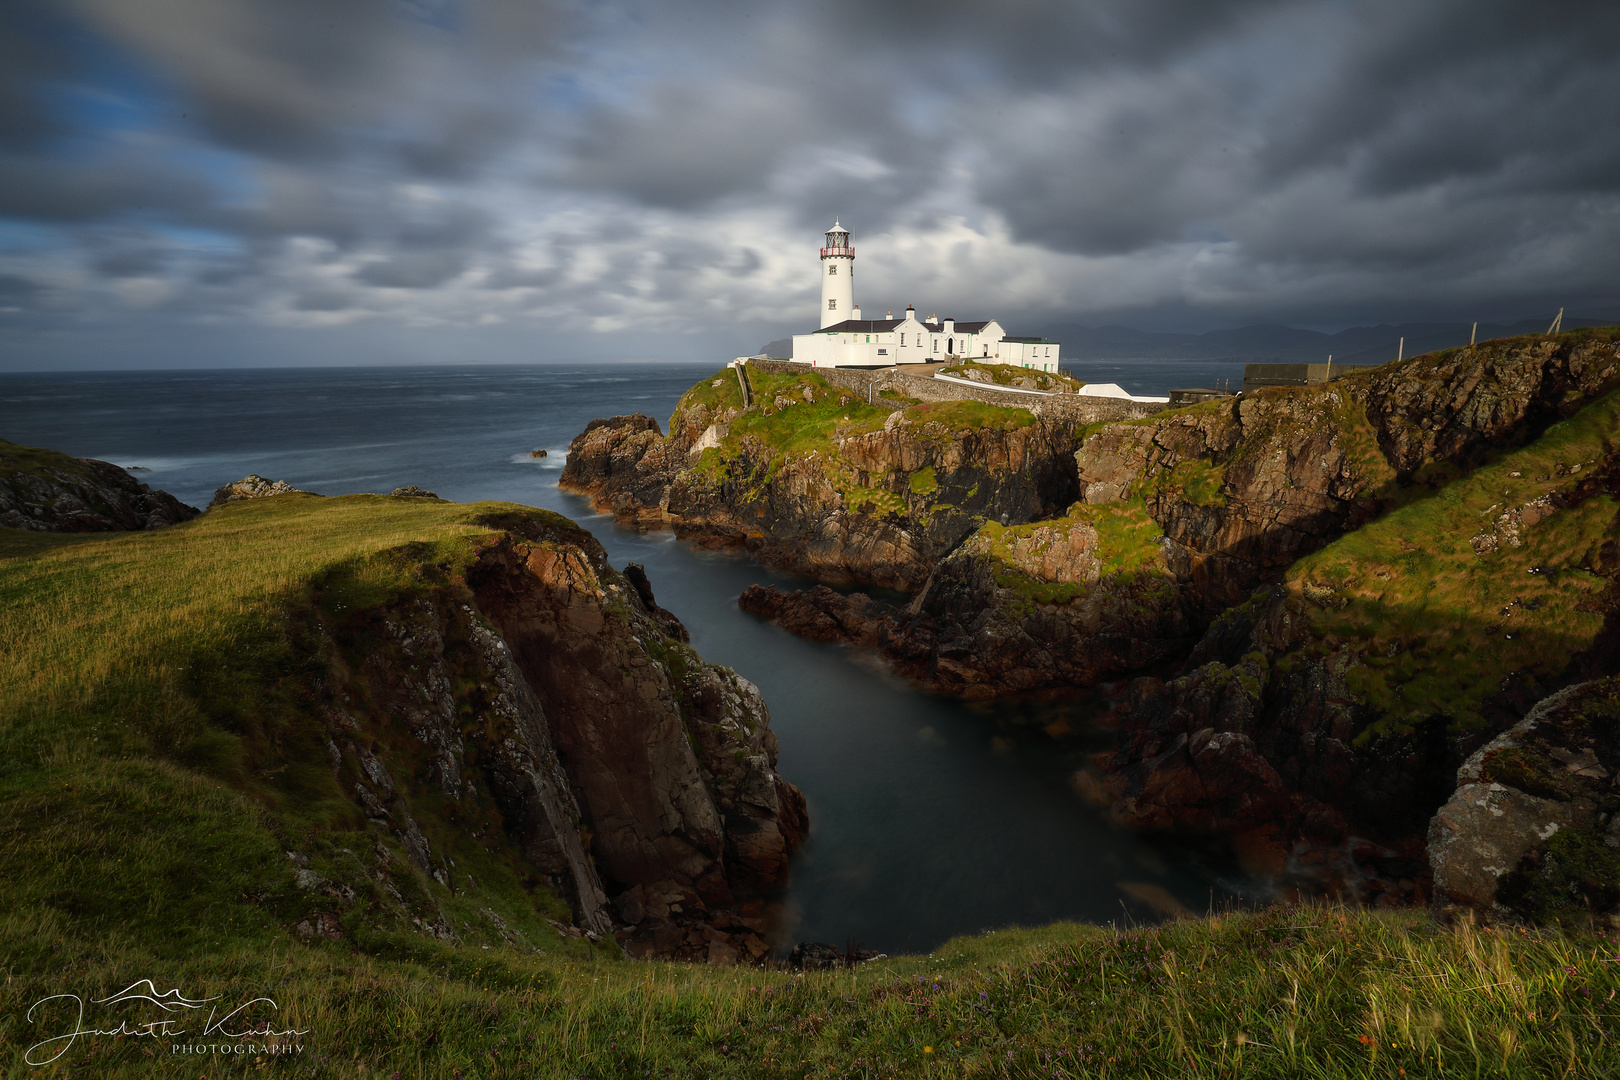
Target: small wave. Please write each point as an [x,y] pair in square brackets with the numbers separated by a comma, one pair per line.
[554,459]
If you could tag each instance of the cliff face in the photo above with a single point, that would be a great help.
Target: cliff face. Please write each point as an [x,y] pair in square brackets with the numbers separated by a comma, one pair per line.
[1338,704]
[44,491]
[809,479]
[1243,489]
[551,708]
[1185,513]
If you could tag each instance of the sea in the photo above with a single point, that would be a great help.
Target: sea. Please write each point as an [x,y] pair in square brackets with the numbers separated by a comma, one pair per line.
[930,818]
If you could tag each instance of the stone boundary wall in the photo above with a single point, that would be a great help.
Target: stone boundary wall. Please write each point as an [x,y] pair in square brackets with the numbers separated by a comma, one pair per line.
[1086,410]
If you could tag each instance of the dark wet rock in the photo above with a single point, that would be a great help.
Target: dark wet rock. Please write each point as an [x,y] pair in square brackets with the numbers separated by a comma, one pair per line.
[44,491]
[819,956]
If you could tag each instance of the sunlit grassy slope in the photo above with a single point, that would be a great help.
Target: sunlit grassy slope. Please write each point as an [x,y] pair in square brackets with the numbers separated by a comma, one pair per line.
[158,754]
[143,825]
[1438,624]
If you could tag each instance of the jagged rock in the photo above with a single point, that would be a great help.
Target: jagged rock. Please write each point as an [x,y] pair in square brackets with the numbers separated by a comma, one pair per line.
[617,759]
[411,491]
[1530,832]
[253,486]
[815,956]
[44,491]
[819,956]
[795,512]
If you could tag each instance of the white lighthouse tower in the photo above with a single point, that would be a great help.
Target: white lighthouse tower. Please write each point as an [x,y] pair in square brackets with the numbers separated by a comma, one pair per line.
[837,277]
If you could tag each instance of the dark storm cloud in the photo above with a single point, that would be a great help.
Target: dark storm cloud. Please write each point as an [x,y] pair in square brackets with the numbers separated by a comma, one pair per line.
[1490,106]
[29,59]
[300,79]
[414,270]
[50,189]
[631,162]
[1028,42]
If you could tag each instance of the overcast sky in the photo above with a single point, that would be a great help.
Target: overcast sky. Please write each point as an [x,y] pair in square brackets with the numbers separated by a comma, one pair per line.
[207,182]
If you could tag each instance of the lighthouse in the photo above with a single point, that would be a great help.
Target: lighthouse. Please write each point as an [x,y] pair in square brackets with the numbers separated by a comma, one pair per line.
[837,277]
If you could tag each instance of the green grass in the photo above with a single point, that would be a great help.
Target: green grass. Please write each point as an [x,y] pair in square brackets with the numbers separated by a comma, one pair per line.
[158,749]
[1126,547]
[1431,618]
[1287,993]
[799,415]
[1005,374]
[33,461]
[955,416]
[152,687]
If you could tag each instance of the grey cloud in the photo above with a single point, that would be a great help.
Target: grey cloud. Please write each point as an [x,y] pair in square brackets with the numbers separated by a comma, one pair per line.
[415,270]
[691,148]
[325,299]
[297,79]
[17,291]
[60,190]
[1261,156]
[30,58]
[1030,42]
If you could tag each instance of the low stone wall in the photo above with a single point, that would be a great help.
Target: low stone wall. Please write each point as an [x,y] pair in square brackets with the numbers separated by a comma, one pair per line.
[869,384]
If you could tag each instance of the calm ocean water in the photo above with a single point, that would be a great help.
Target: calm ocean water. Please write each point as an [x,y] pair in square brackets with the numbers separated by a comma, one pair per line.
[930,818]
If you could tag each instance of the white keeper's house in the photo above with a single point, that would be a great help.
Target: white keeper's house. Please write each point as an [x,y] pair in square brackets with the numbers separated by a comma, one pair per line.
[847,340]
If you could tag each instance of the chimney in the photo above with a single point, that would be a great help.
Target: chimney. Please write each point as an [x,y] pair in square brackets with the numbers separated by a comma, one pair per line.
[855,313]
[933,320]
[950,325]
[911,312]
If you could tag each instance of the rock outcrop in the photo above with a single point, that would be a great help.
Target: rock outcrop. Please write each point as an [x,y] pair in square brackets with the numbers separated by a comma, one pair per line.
[44,491]
[874,496]
[1183,514]
[253,486]
[1244,488]
[1335,707]
[1532,831]
[548,706]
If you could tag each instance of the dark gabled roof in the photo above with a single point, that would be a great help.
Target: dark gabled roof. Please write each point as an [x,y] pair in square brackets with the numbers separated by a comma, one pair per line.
[1029,340]
[874,326]
[861,326]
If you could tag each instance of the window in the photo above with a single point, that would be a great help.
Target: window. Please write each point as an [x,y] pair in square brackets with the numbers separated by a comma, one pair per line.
[832,305]
[902,339]
[936,345]
[832,270]
[883,352]
[987,350]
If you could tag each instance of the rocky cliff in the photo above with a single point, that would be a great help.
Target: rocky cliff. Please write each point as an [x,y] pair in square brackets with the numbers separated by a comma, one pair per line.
[1334,707]
[1182,514]
[45,491]
[527,700]
[808,478]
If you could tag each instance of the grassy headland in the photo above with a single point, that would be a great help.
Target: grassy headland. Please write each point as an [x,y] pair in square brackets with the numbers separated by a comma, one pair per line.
[156,769]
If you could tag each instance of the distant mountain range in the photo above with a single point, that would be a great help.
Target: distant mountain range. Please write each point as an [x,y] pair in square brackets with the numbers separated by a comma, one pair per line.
[1286,344]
